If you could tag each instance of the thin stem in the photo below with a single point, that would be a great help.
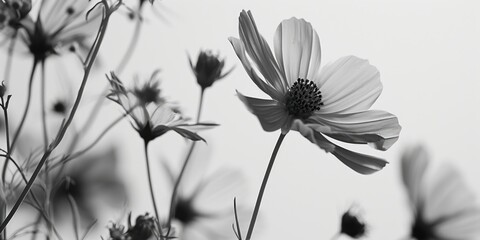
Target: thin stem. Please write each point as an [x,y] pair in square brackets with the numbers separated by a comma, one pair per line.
[61,133]
[22,121]
[45,140]
[200,105]
[263,186]
[7,136]
[133,43]
[182,171]
[150,184]
[75,216]
[8,67]
[42,102]
[91,145]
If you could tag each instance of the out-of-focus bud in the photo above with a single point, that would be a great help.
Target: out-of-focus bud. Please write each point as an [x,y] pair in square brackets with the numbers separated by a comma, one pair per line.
[143,229]
[6,15]
[208,69]
[117,232]
[3,90]
[352,225]
[21,7]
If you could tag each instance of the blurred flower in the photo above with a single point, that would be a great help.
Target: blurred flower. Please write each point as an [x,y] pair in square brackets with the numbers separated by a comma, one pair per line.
[352,225]
[92,182]
[443,206]
[203,209]
[151,115]
[333,102]
[60,24]
[208,69]
[60,107]
[12,12]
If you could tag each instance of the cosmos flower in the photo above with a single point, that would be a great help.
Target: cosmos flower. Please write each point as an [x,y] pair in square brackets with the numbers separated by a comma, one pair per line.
[203,209]
[208,69]
[331,102]
[92,182]
[151,116]
[443,206]
[60,24]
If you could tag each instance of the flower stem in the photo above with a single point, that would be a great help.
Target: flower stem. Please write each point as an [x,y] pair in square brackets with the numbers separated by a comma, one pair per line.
[44,111]
[61,133]
[8,67]
[22,121]
[182,171]
[152,195]
[263,186]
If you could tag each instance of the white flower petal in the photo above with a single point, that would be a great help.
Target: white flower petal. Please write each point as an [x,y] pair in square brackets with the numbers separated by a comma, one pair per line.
[312,135]
[414,164]
[349,85]
[272,114]
[360,163]
[378,128]
[259,50]
[297,49]
[239,48]
[54,14]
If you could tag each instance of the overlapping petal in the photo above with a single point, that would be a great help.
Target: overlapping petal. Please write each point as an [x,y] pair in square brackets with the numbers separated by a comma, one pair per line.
[297,49]
[378,128]
[414,165]
[360,163]
[239,48]
[349,85]
[271,114]
[259,51]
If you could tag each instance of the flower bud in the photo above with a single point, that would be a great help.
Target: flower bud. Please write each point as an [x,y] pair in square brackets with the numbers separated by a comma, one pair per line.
[208,69]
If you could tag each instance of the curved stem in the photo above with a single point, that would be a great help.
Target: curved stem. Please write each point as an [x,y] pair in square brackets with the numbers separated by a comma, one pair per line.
[61,133]
[150,184]
[263,186]
[133,43]
[22,121]
[91,145]
[182,171]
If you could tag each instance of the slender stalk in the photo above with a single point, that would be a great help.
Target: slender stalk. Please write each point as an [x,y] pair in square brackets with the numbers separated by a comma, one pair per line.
[43,105]
[8,67]
[133,43]
[22,121]
[182,171]
[263,186]
[45,141]
[66,124]
[7,136]
[150,184]
[91,145]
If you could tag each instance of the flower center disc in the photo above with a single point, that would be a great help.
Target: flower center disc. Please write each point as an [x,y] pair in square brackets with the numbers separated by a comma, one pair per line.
[303,98]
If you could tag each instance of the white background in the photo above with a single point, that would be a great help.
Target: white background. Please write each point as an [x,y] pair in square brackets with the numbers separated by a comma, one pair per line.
[426,51]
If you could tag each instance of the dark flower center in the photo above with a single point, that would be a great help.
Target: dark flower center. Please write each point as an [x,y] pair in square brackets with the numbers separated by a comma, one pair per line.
[352,226]
[303,98]
[149,93]
[421,230]
[59,107]
[184,211]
